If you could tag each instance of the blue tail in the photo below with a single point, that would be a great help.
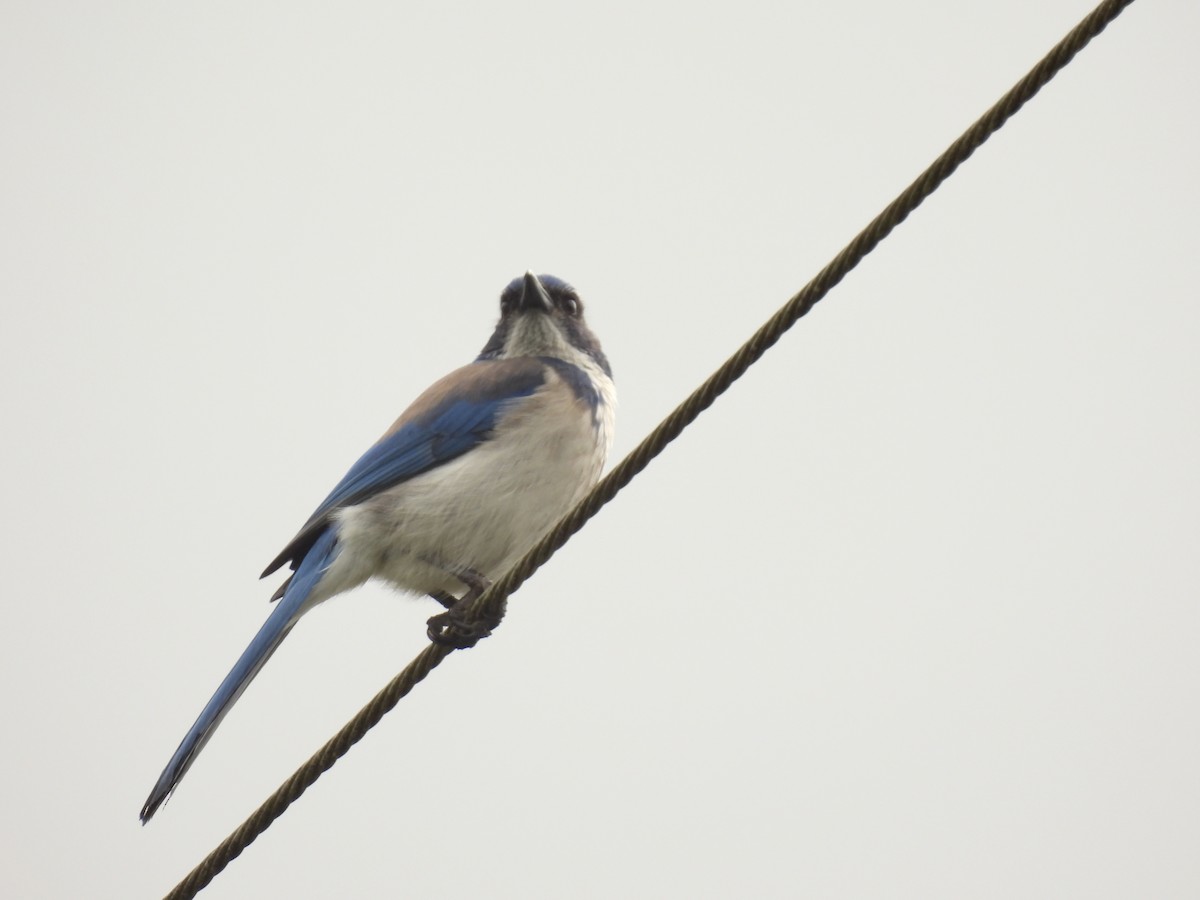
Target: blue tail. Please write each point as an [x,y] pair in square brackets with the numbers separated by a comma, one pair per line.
[253,658]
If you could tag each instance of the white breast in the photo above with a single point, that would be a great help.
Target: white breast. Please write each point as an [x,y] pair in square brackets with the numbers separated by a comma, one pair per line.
[485,509]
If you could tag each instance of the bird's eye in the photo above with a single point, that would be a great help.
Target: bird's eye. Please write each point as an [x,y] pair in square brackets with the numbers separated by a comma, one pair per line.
[570,306]
[506,305]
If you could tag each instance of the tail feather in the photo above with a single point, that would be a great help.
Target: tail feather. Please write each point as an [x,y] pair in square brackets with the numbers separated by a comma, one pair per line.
[253,658]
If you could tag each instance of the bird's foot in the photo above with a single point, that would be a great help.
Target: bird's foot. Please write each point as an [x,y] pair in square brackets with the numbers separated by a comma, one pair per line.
[454,628]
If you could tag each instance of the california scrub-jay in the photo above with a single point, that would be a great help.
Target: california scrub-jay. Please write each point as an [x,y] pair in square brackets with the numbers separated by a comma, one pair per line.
[456,491]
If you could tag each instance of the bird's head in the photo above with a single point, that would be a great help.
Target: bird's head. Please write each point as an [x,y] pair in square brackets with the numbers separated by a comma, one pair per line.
[541,315]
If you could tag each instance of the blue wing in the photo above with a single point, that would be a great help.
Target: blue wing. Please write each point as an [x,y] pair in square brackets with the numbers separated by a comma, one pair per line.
[454,415]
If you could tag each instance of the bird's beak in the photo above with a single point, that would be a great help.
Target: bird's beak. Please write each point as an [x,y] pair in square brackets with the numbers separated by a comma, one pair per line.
[534,296]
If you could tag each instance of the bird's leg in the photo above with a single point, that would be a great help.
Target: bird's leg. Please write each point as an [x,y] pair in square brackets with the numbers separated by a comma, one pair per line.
[445,598]
[452,628]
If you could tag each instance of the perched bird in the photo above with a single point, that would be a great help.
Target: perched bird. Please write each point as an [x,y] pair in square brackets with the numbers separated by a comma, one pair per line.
[457,490]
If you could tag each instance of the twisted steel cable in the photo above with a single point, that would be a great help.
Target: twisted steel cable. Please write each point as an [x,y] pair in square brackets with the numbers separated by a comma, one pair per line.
[492,601]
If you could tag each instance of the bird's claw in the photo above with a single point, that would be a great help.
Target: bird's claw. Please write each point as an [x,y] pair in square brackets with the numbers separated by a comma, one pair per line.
[455,630]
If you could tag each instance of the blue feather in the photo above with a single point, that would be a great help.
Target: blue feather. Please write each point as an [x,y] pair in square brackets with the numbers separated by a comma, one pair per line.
[253,658]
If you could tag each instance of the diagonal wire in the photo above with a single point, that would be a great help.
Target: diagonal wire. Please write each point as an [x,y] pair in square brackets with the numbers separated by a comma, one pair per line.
[492,600]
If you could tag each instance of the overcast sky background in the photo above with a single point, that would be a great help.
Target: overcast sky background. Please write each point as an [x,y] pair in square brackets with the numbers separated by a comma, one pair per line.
[911,612]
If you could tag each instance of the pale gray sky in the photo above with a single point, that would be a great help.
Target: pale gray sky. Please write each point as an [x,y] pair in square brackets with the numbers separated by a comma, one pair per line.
[912,612]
